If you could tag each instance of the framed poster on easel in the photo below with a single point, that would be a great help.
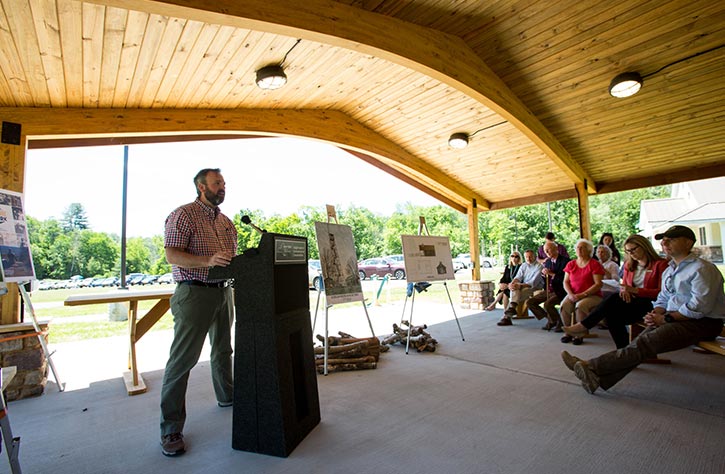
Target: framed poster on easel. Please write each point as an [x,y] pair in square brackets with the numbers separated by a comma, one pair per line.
[427,258]
[17,261]
[339,263]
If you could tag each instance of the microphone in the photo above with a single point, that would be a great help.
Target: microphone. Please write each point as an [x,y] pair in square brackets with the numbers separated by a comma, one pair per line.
[248,221]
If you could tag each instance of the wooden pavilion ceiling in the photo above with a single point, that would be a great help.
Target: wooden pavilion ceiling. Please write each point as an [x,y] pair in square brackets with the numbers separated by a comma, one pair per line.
[390,81]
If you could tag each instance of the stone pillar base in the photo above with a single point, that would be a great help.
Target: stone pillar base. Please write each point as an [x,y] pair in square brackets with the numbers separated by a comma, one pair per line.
[20,346]
[476,294]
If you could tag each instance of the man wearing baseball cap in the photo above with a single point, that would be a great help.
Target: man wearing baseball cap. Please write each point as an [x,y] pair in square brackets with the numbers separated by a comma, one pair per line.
[689,308]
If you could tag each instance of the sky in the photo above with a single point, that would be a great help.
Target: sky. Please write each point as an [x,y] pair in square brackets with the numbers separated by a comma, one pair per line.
[275,175]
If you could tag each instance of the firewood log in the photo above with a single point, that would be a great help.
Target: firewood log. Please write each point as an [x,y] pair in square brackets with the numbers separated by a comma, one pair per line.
[336,361]
[343,367]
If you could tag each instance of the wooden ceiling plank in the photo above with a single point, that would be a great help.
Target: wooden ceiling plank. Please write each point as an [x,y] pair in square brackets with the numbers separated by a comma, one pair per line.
[115,28]
[130,50]
[93,22]
[211,66]
[536,199]
[177,60]
[20,22]
[190,72]
[47,30]
[173,30]
[71,41]
[681,175]
[155,28]
[19,93]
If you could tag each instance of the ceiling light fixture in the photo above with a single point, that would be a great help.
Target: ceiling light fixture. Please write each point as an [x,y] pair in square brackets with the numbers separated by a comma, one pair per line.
[459,140]
[629,83]
[625,85]
[273,77]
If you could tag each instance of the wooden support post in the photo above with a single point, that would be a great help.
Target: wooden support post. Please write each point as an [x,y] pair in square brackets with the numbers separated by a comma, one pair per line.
[585,226]
[473,240]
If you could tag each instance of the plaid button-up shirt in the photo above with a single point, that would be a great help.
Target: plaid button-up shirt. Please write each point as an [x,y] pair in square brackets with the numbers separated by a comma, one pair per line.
[199,230]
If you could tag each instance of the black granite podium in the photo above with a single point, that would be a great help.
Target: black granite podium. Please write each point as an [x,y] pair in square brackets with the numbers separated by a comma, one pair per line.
[276,403]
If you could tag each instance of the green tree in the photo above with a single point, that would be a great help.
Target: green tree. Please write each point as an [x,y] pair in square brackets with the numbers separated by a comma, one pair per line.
[159,264]
[97,254]
[138,257]
[74,218]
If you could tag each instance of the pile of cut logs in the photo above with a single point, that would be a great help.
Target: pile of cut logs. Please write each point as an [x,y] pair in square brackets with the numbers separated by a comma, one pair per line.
[419,338]
[348,353]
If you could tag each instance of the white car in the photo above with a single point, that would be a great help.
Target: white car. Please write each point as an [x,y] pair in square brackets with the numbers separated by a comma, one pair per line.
[486,262]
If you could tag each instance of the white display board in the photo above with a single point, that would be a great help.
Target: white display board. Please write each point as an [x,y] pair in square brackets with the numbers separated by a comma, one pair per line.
[427,258]
[17,261]
[338,260]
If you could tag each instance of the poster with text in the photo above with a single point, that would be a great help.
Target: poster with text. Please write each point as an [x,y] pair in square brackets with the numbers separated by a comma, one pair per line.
[338,260]
[427,258]
[17,263]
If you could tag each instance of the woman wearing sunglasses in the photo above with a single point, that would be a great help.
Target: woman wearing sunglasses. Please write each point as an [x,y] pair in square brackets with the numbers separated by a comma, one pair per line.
[503,284]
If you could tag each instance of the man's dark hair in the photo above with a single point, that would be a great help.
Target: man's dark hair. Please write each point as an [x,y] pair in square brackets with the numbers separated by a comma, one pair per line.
[200,177]
[550,236]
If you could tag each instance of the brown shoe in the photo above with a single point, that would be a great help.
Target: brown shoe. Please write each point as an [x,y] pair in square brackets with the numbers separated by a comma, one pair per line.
[569,360]
[505,321]
[173,444]
[589,379]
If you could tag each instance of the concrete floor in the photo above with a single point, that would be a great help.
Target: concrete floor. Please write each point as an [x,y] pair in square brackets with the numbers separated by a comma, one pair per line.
[500,402]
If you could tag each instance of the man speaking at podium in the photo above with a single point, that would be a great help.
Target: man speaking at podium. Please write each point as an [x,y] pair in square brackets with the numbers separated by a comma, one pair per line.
[198,236]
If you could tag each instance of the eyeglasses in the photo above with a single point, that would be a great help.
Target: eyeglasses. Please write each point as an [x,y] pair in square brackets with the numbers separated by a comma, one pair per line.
[632,250]
[515,256]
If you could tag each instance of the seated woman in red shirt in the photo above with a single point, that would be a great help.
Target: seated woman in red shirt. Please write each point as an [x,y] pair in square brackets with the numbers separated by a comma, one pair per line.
[640,286]
[583,285]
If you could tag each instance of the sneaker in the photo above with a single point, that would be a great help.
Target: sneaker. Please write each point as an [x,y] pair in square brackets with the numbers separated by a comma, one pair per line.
[589,379]
[225,404]
[505,322]
[566,339]
[172,444]
[569,360]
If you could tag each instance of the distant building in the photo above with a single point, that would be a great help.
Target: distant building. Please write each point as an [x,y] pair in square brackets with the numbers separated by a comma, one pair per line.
[699,205]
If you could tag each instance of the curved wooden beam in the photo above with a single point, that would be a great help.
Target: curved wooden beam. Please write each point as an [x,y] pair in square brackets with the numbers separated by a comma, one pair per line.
[324,125]
[444,57]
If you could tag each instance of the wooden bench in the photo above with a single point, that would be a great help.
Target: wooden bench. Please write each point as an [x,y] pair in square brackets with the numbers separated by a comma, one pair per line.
[137,327]
[12,444]
[716,347]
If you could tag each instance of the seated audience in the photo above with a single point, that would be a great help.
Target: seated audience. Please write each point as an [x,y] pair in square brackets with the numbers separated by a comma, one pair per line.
[608,240]
[550,237]
[526,281]
[640,286]
[503,284]
[583,283]
[554,275]
[689,308]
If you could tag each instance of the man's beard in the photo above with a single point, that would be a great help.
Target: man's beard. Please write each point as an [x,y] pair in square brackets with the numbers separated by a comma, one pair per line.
[214,198]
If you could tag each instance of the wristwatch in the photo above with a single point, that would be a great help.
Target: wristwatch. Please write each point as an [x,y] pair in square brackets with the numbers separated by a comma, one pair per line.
[669,318]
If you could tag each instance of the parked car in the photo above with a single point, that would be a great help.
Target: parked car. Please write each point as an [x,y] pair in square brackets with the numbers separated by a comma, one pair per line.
[134,278]
[486,262]
[395,258]
[314,273]
[458,265]
[85,283]
[166,278]
[380,267]
[148,280]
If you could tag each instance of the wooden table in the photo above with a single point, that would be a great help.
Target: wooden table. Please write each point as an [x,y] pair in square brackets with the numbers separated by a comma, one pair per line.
[137,327]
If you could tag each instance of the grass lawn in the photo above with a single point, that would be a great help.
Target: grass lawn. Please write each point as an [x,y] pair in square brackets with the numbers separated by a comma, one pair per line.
[73,323]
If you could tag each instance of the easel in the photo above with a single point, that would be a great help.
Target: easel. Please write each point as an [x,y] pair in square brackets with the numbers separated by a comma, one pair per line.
[332,214]
[39,333]
[423,227]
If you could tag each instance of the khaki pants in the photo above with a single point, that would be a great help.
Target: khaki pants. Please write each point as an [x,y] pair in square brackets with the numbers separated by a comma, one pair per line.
[197,311]
[582,308]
